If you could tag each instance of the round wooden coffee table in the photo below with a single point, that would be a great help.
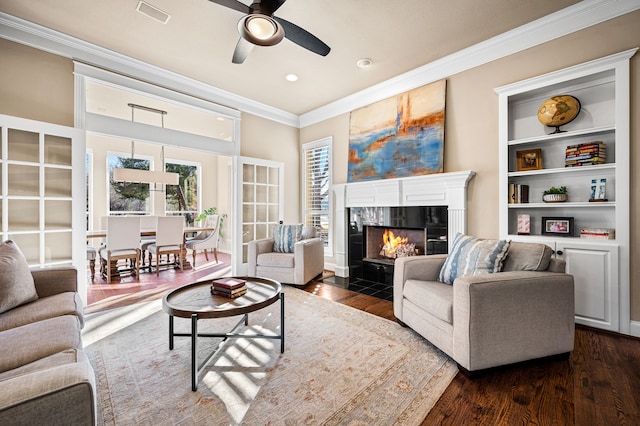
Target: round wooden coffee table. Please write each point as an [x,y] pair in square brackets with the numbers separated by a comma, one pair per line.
[195,301]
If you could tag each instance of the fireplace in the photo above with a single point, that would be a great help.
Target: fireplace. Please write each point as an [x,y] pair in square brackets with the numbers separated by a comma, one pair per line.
[379,235]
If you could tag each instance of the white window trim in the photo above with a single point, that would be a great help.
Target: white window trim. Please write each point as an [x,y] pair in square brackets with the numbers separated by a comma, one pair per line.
[328,141]
[198,165]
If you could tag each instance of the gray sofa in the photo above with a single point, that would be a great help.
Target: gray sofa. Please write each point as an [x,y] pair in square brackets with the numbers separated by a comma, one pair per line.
[45,376]
[298,267]
[492,319]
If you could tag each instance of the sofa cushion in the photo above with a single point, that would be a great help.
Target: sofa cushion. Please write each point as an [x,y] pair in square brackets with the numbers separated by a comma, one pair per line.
[473,256]
[527,257]
[67,303]
[16,282]
[278,260]
[432,296]
[28,343]
[68,356]
[285,237]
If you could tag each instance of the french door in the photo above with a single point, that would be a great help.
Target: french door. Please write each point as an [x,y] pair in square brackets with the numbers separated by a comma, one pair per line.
[258,200]
[42,192]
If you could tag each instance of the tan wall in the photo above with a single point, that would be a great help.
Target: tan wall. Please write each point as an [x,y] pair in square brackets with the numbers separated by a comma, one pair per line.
[35,84]
[266,139]
[471,132]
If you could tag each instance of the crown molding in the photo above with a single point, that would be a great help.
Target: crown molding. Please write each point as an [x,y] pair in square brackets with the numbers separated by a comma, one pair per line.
[42,38]
[566,21]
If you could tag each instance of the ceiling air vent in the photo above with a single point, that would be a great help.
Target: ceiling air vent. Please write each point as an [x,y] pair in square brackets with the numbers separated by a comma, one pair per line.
[152,12]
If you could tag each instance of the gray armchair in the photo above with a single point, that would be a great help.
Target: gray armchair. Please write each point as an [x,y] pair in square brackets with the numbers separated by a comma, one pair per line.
[299,267]
[482,321]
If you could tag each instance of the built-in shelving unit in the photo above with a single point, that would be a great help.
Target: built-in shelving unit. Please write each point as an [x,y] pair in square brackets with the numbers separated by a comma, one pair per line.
[600,267]
[41,192]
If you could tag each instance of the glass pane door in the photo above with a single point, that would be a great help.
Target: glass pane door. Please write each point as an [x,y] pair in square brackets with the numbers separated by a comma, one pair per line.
[258,189]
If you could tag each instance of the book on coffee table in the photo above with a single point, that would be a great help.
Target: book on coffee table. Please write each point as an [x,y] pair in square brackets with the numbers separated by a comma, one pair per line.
[229,294]
[228,283]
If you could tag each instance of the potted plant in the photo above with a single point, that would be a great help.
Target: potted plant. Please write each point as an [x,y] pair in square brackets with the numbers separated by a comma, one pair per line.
[555,195]
[208,212]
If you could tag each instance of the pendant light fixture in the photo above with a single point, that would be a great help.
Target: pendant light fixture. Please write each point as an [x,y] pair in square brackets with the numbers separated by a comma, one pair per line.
[160,177]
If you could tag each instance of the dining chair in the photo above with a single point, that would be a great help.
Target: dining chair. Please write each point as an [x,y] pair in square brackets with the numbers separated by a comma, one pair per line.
[169,239]
[147,223]
[206,240]
[123,243]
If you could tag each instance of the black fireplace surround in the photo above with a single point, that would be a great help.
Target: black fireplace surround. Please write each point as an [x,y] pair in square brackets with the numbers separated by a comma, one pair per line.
[424,228]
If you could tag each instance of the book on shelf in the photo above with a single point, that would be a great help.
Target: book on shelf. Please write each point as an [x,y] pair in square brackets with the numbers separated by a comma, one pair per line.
[518,193]
[598,233]
[591,153]
[229,283]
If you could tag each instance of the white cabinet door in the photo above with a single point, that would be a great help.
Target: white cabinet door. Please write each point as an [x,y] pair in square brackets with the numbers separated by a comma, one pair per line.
[595,271]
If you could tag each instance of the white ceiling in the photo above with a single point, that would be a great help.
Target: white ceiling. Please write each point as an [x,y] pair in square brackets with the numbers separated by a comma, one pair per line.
[199,39]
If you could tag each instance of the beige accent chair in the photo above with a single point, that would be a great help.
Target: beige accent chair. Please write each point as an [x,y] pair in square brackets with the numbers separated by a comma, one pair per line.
[206,240]
[483,321]
[123,243]
[169,240]
[298,268]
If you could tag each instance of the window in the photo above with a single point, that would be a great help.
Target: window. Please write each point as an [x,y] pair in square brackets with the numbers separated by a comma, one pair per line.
[128,197]
[184,198]
[317,185]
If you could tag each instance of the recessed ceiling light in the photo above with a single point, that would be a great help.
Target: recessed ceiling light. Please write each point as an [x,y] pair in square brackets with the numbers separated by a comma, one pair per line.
[292,77]
[364,63]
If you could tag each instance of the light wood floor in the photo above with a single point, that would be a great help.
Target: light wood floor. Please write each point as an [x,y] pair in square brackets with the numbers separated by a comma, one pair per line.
[598,385]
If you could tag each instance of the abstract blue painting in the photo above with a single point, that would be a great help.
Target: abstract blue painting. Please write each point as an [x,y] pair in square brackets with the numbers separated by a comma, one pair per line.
[398,137]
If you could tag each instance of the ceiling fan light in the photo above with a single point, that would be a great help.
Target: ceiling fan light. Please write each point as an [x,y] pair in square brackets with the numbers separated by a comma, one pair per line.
[260,29]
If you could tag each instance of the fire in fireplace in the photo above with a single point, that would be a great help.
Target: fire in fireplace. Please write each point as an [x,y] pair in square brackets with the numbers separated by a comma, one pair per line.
[391,243]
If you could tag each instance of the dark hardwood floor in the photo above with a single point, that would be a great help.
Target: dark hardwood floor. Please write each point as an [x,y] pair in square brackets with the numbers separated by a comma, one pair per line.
[599,384]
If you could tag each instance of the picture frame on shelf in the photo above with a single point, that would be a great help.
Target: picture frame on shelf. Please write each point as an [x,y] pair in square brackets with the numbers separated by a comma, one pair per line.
[559,226]
[598,190]
[524,224]
[528,159]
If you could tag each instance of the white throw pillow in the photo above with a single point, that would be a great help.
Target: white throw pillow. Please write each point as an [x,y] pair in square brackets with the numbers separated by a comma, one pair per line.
[473,256]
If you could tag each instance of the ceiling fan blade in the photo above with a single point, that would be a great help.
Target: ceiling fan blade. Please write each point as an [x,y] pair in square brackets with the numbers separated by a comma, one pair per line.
[233,4]
[303,38]
[269,7]
[243,48]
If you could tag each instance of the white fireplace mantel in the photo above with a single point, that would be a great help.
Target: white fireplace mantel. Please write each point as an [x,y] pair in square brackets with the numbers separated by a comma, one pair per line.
[442,189]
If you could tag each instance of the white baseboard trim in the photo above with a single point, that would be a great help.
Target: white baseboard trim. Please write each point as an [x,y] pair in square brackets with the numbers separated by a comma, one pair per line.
[634,328]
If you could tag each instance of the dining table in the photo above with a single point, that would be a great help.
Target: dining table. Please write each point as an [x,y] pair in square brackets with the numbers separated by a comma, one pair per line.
[151,232]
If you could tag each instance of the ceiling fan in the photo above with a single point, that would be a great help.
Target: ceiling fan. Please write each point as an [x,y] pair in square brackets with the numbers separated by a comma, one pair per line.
[259,27]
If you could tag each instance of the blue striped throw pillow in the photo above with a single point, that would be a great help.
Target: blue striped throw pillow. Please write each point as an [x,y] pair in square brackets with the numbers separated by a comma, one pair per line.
[285,237]
[473,256]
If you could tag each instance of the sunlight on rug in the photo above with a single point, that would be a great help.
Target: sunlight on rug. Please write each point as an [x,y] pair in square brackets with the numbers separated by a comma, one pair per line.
[340,366]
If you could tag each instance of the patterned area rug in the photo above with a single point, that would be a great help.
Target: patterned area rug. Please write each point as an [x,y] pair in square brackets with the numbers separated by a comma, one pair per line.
[341,366]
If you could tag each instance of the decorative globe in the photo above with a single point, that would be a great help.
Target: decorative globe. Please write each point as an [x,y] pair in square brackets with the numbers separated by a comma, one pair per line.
[558,110]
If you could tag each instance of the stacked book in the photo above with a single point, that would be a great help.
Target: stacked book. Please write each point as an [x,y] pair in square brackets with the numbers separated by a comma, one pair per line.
[229,287]
[585,154]
[518,193]
[598,233]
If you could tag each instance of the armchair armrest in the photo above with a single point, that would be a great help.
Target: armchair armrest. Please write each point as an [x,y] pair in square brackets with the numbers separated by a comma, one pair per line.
[50,281]
[426,268]
[309,259]
[509,317]
[256,247]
